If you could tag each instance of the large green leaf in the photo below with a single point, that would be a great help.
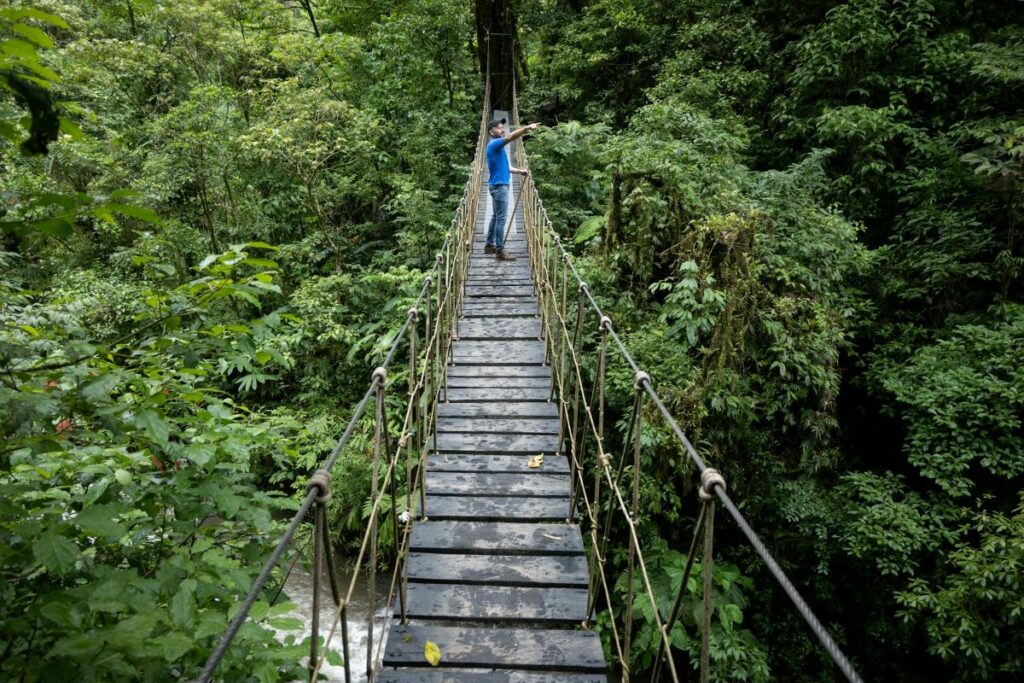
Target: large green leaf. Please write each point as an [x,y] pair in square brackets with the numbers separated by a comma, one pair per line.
[99,520]
[183,604]
[56,552]
[174,645]
[153,425]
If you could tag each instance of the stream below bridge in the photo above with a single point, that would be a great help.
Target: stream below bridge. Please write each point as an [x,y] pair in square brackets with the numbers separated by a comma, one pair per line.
[299,590]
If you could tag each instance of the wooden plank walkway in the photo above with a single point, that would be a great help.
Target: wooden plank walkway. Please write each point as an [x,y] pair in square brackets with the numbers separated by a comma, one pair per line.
[496,577]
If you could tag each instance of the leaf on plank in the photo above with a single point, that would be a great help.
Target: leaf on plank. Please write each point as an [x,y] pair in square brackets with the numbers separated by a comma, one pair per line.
[432,653]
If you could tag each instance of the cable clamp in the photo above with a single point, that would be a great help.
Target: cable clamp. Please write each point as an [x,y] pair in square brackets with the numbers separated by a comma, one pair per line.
[414,313]
[639,378]
[605,325]
[380,376]
[321,481]
[429,282]
[583,285]
[709,479]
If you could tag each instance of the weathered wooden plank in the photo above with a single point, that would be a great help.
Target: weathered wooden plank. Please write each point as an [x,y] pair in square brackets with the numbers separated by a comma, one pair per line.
[491,264]
[506,604]
[504,271]
[496,537]
[497,409]
[468,462]
[529,484]
[493,508]
[499,328]
[492,310]
[495,275]
[497,443]
[496,648]
[515,352]
[445,675]
[505,570]
[499,380]
[509,350]
[513,242]
[473,394]
[501,300]
[485,371]
[485,274]
[474,290]
[512,425]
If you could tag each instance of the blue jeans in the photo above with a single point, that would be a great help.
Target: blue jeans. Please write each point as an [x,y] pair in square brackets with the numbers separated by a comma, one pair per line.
[499,207]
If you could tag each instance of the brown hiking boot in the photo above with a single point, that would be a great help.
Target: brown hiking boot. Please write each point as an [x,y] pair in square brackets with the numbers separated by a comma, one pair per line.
[489,249]
[503,255]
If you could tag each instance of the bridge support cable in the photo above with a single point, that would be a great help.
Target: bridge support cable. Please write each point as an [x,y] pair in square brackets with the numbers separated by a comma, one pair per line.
[578,426]
[440,297]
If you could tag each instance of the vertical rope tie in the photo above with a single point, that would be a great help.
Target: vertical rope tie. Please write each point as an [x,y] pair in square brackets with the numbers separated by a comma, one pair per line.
[379,379]
[320,484]
[710,479]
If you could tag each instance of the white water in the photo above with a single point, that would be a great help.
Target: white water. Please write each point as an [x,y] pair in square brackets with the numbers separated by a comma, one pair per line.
[299,589]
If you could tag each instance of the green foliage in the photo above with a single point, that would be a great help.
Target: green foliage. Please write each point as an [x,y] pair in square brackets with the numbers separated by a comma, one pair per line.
[973,615]
[130,515]
[735,653]
[967,388]
[164,383]
[805,220]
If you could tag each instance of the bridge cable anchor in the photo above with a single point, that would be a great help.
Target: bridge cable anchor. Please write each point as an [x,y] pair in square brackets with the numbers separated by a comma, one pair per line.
[321,481]
[639,378]
[709,479]
[380,376]
[605,325]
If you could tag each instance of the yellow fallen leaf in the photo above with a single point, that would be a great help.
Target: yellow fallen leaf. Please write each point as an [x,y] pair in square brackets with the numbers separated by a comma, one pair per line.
[535,462]
[432,653]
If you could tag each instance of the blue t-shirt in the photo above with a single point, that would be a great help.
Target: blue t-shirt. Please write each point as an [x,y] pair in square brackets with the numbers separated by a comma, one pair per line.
[497,162]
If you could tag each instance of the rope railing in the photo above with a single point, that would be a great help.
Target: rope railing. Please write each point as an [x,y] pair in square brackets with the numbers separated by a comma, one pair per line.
[441,299]
[582,431]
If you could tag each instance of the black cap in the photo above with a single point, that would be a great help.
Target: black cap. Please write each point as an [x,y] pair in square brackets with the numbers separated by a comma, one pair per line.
[493,122]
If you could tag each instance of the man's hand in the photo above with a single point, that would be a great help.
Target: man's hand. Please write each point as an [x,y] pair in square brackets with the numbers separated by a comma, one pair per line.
[533,126]
[524,172]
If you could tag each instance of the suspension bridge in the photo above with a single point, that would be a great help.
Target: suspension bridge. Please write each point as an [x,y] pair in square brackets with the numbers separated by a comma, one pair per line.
[503,467]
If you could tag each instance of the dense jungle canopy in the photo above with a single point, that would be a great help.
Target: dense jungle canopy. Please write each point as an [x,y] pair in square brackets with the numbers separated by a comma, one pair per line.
[804,218]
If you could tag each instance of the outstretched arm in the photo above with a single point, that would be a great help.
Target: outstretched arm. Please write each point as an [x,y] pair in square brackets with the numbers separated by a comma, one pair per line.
[509,137]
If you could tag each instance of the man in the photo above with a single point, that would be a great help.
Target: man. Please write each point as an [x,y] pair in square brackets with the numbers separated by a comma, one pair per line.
[497,184]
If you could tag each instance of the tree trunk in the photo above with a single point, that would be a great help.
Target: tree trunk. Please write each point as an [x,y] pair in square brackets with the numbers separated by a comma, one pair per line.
[497,46]
[131,19]
[308,6]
